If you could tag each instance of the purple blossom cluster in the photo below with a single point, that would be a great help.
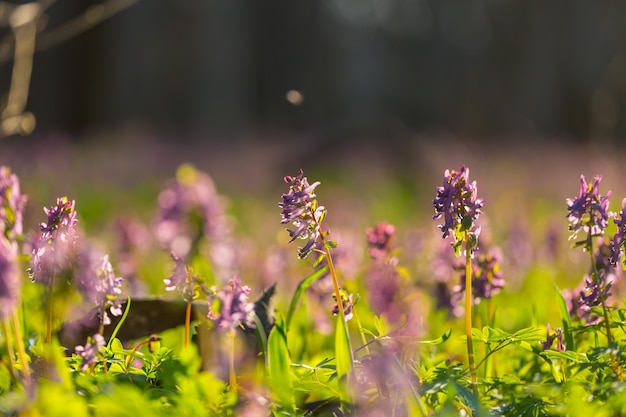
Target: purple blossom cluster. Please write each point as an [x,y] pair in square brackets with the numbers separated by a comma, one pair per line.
[457,202]
[596,286]
[191,214]
[12,204]
[618,241]
[299,207]
[348,305]
[487,280]
[53,251]
[588,211]
[551,337]
[182,280]
[98,284]
[89,352]
[380,240]
[229,307]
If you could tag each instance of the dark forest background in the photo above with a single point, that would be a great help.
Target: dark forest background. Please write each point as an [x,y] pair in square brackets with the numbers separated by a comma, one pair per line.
[480,68]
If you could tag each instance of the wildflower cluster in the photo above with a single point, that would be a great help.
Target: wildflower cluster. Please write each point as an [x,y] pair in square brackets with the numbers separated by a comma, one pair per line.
[54,248]
[89,351]
[588,211]
[348,302]
[229,307]
[11,217]
[380,240]
[457,202]
[551,337]
[182,280]
[299,207]
[619,239]
[191,217]
[488,279]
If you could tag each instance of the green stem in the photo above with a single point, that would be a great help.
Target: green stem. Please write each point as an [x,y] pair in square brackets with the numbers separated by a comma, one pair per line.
[6,329]
[231,360]
[21,351]
[187,322]
[358,323]
[50,310]
[605,313]
[468,312]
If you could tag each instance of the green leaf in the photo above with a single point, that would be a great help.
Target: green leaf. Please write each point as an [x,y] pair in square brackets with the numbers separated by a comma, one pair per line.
[343,357]
[319,259]
[440,340]
[302,287]
[279,366]
[567,355]
[566,320]
[119,324]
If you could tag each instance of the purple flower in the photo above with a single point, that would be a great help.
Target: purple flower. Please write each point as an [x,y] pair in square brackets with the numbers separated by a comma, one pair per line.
[380,240]
[191,214]
[348,305]
[458,203]
[550,337]
[11,217]
[229,308]
[9,280]
[89,352]
[53,250]
[589,210]
[98,284]
[299,207]
[487,277]
[618,241]
[383,284]
[596,286]
[592,295]
[181,280]
[12,204]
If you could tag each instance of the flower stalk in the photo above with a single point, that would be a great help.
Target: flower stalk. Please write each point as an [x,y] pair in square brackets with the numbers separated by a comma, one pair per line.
[468,312]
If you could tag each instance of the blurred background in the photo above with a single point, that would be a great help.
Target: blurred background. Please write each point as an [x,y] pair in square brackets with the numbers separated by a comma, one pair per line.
[102,101]
[360,93]
[343,69]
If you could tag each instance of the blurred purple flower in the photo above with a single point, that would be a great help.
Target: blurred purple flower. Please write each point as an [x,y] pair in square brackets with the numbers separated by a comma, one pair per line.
[617,244]
[12,204]
[133,241]
[592,295]
[191,212]
[181,280]
[380,240]
[53,250]
[299,207]
[383,285]
[588,211]
[596,286]
[348,305]
[89,352]
[458,203]
[99,285]
[229,308]
[487,277]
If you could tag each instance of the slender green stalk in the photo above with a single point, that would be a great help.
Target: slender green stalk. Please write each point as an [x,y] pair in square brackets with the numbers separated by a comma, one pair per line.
[6,329]
[50,310]
[607,325]
[21,351]
[468,312]
[187,322]
[231,360]
[358,323]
